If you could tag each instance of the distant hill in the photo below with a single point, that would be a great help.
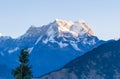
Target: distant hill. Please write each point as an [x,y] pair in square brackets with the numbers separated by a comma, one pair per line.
[102,62]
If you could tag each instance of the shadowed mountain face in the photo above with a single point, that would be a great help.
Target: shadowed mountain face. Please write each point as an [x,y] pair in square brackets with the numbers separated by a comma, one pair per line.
[51,46]
[102,62]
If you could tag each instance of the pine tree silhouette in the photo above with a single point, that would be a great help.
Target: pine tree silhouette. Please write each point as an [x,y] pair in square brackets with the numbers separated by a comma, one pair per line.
[23,70]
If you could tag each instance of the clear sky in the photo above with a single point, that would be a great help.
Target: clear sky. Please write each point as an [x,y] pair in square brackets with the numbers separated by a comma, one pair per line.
[16,16]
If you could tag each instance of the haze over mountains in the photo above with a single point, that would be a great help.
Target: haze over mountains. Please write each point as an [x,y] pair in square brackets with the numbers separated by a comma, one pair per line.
[51,46]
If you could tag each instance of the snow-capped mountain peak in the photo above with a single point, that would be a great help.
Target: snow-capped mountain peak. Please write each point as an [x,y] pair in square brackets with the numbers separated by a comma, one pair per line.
[60,29]
[65,27]
[78,28]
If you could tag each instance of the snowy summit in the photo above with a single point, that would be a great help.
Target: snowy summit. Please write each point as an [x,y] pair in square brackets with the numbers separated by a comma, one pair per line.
[75,28]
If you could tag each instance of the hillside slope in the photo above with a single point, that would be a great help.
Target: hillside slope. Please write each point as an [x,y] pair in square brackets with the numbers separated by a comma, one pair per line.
[100,63]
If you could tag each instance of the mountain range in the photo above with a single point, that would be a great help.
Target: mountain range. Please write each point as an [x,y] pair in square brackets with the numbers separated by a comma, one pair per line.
[99,63]
[51,46]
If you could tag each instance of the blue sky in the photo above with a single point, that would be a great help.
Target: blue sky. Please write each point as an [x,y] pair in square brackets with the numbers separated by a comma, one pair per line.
[16,16]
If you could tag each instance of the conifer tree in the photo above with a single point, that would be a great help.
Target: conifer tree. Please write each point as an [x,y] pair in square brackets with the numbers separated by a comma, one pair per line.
[23,70]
